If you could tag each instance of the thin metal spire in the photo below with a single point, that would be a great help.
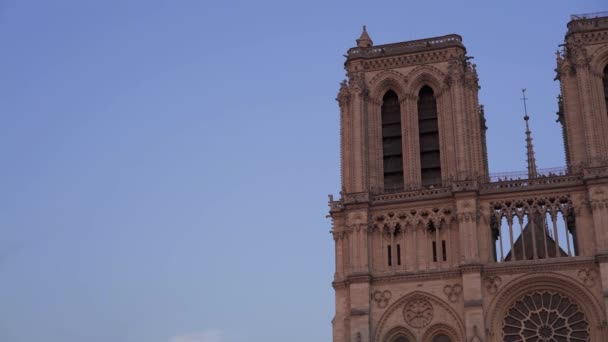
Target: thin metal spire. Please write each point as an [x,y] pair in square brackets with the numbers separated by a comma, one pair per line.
[529,147]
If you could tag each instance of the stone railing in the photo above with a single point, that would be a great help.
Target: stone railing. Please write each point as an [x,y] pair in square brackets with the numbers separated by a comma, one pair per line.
[517,175]
[405,47]
[413,195]
[532,183]
[589,21]
[589,15]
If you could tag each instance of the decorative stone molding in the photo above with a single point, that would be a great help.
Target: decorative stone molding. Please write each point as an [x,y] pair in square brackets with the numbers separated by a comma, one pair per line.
[471,268]
[418,312]
[355,198]
[592,173]
[542,265]
[391,277]
[452,292]
[410,196]
[587,276]
[390,220]
[382,298]
[492,284]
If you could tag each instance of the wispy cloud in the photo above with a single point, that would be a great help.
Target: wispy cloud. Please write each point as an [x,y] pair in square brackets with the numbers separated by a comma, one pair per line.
[205,336]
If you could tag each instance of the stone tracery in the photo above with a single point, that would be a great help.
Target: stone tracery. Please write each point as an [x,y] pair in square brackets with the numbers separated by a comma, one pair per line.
[545,316]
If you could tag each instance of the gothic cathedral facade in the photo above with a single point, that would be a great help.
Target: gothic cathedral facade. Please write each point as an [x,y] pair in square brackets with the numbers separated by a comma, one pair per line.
[429,247]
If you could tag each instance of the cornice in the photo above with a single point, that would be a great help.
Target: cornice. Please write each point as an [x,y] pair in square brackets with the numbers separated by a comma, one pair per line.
[416,276]
[471,268]
[542,265]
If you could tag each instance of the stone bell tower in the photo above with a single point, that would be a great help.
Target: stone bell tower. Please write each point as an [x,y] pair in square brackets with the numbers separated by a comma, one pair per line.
[431,248]
[582,71]
[410,116]
[411,129]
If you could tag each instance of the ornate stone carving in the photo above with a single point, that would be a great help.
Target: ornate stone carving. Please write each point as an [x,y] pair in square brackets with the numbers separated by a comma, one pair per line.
[418,312]
[587,276]
[475,337]
[545,316]
[413,217]
[453,292]
[343,95]
[382,298]
[492,284]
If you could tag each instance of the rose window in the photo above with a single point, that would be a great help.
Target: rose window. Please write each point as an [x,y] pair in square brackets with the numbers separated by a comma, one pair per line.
[545,316]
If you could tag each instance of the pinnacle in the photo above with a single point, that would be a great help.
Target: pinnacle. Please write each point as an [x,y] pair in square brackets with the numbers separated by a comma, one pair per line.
[364,40]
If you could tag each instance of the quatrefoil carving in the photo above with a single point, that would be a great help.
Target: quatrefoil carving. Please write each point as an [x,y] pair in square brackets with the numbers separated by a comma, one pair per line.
[452,291]
[382,298]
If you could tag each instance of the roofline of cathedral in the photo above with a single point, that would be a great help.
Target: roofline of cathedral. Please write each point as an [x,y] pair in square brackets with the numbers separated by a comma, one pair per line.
[411,46]
[587,22]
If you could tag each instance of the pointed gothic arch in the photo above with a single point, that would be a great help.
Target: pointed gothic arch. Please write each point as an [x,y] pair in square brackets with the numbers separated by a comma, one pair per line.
[399,334]
[440,332]
[392,142]
[425,75]
[385,81]
[428,137]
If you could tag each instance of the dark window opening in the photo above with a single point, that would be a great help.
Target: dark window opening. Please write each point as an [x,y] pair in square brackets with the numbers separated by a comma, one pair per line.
[398,255]
[441,338]
[434,251]
[428,129]
[443,251]
[390,259]
[401,339]
[391,142]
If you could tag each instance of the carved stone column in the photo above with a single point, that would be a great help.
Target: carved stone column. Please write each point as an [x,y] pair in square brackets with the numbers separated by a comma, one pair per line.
[473,310]
[466,211]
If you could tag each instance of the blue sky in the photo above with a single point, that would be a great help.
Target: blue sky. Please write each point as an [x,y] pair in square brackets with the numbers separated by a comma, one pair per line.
[166,164]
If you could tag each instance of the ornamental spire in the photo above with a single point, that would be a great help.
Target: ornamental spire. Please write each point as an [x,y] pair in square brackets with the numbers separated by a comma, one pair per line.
[364,40]
[529,147]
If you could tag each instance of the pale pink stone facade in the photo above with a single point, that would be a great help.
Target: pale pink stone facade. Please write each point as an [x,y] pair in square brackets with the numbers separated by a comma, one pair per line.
[466,293]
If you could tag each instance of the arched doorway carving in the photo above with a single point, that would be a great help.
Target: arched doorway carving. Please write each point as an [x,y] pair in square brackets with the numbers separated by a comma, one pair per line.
[399,334]
[422,312]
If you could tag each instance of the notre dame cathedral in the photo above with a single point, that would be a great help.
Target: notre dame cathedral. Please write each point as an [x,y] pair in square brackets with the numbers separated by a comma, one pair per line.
[429,247]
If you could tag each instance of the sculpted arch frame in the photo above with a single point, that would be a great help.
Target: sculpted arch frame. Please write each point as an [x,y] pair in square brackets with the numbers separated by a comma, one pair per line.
[427,75]
[545,281]
[378,86]
[440,328]
[454,329]
[398,331]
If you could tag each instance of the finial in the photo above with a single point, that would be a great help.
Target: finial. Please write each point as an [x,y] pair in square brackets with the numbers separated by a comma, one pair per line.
[364,40]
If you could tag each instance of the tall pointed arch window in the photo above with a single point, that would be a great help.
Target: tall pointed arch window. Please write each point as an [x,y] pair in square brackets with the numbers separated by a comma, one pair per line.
[428,129]
[606,86]
[391,142]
